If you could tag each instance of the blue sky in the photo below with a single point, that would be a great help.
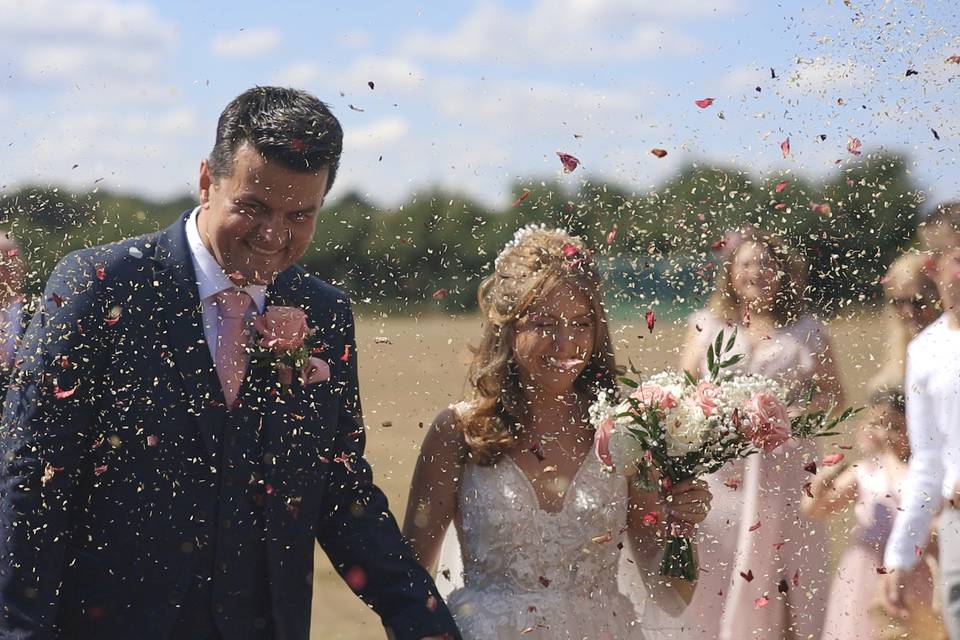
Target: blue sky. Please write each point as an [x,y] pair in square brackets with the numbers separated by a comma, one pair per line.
[472,96]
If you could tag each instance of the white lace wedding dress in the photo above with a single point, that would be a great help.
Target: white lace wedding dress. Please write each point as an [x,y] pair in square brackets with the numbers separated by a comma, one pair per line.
[533,574]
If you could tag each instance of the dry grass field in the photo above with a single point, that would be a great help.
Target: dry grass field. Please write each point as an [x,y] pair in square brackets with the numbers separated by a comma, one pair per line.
[423,370]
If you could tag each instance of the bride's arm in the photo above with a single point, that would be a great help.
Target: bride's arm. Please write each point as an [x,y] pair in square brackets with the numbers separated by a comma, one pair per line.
[671,594]
[432,502]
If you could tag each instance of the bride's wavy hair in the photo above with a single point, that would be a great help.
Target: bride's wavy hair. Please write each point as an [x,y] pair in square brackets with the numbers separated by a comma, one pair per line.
[537,262]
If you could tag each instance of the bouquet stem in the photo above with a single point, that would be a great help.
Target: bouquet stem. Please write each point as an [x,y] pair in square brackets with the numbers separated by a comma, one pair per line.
[678,558]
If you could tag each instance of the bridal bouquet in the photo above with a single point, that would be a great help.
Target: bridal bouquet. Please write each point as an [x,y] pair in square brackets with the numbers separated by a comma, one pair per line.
[674,428]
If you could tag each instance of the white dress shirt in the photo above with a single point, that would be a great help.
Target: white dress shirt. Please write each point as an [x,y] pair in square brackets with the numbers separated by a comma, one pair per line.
[211,280]
[932,389]
[10,331]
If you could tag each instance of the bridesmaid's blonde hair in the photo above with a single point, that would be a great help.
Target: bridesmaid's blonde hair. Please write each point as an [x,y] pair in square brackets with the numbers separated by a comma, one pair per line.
[909,269]
[534,264]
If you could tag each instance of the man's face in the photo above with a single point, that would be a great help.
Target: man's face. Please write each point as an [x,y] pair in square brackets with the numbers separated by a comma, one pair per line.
[260,220]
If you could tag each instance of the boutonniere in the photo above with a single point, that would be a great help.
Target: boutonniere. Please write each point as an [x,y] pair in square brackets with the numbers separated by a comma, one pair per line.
[287,343]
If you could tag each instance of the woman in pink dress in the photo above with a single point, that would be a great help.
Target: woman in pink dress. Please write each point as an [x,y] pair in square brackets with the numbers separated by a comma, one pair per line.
[873,486]
[761,561]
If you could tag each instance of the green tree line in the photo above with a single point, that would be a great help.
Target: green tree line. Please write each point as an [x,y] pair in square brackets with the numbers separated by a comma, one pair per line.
[656,245]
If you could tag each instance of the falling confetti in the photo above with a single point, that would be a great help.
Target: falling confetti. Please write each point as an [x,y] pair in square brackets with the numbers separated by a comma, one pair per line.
[660,153]
[785,147]
[703,103]
[853,146]
[523,196]
[568,161]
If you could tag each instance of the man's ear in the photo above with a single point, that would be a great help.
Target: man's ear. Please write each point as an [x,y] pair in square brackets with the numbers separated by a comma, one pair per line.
[205,183]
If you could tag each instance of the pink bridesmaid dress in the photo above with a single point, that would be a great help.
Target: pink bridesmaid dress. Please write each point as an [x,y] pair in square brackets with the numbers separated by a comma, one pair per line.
[852,611]
[763,564]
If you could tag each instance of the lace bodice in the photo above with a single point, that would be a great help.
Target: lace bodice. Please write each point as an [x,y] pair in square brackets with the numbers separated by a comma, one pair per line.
[508,540]
[530,573]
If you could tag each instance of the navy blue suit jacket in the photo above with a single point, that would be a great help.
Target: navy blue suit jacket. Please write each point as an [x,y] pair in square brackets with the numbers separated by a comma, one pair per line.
[110,450]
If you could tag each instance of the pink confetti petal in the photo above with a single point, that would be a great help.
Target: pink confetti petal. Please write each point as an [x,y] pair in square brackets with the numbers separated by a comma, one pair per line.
[704,103]
[568,161]
[785,147]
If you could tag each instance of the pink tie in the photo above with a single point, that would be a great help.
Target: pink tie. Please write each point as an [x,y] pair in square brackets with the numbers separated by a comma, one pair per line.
[231,360]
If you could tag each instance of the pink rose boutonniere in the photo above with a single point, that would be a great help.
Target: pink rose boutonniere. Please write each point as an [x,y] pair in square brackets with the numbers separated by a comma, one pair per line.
[285,344]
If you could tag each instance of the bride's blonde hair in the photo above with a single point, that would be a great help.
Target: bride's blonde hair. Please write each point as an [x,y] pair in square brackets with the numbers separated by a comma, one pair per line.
[533,265]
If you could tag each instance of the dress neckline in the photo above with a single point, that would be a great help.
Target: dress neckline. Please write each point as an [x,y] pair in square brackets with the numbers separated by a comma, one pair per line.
[533,491]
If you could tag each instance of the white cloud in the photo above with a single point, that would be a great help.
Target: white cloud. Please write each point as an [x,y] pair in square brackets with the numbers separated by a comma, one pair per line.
[826,75]
[390,75]
[248,43]
[69,63]
[91,21]
[89,42]
[377,134]
[567,32]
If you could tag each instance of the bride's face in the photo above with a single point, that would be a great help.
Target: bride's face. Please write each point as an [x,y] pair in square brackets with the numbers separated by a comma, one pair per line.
[554,341]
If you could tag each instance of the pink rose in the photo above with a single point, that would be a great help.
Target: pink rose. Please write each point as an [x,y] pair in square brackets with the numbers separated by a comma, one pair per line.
[282,328]
[601,441]
[706,396]
[653,395]
[767,424]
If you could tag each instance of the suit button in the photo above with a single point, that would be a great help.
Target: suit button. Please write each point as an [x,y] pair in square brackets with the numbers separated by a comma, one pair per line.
[175,597]
[219,608]
[226,523]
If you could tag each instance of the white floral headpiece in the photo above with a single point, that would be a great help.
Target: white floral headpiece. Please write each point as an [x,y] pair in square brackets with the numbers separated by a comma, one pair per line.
[520,234]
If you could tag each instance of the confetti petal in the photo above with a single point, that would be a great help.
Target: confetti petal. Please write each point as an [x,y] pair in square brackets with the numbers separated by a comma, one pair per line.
[785,147]
[651,320]
[660,153]
[568,161]
[781,186]
[853,146]
[523,196]
[704,103]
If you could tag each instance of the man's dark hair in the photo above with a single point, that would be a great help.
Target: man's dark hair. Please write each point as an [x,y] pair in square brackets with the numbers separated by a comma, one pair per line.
[287,126]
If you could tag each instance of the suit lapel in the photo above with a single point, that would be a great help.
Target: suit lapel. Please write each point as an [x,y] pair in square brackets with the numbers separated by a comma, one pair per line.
[173,270]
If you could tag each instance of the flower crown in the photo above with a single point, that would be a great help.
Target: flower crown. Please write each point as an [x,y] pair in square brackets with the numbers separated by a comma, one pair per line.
[575,256]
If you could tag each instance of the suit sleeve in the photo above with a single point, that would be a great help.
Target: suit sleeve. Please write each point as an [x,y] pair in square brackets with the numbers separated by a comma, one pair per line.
[43,439]
[360,535]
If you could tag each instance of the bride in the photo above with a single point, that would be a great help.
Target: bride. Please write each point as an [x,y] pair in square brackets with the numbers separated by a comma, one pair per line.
[540,520]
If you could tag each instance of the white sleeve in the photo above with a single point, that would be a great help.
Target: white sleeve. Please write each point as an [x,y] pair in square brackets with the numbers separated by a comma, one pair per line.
[922,488]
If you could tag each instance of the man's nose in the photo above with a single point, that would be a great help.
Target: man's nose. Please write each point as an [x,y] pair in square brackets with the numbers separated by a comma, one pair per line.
[272,232]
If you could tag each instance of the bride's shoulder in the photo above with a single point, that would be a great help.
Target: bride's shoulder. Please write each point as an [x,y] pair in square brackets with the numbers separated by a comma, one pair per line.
[446,431]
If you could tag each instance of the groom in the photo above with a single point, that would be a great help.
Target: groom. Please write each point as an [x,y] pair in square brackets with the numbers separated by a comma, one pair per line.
[153,484]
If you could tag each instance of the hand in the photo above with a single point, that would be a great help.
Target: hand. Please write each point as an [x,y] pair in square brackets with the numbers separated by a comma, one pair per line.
[689,500]
[892,594]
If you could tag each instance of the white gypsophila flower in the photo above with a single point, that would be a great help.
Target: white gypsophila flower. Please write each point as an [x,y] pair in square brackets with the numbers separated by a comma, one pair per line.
[601,409]
[739,389]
